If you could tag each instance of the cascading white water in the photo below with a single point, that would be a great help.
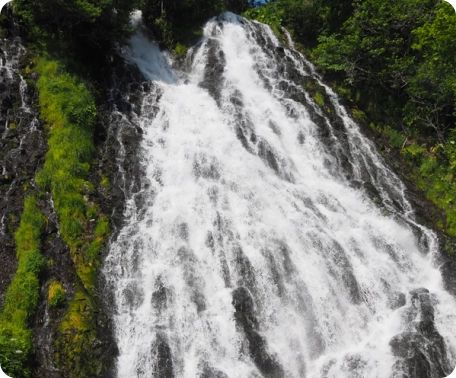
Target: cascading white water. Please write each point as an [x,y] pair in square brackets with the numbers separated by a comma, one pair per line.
[251,248]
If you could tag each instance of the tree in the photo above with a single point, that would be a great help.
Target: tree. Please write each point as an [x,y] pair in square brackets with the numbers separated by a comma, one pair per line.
[85,26]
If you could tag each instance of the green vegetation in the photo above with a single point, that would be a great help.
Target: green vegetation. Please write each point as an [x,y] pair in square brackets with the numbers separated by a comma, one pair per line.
[77,338]
[395,62]
[85,29]
[271,14]
[177,23]
[68,109]
[56,294]
[21,298]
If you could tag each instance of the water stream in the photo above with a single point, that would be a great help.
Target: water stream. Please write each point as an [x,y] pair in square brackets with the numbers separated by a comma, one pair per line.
[267,237]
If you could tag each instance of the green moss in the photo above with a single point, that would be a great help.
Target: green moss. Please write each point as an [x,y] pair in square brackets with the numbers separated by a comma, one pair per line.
[68,108]
[104,183]
[319,99]
[56,294]
[77,334]
[180,50]
[21,297]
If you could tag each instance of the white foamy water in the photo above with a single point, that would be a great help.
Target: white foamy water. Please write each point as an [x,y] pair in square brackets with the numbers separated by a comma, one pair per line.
[241,190]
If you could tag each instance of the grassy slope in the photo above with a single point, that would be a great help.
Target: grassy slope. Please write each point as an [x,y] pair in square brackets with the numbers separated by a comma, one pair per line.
[21,298]
[68,109]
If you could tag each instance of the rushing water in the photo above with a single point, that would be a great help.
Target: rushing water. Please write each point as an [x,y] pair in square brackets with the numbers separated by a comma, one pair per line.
[267,237]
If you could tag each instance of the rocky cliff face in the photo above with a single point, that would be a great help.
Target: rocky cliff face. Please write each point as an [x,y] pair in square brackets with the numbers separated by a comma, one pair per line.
[22,147]
[22,150]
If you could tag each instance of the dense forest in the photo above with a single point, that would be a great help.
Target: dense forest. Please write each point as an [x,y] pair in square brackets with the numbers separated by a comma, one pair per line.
[393,63]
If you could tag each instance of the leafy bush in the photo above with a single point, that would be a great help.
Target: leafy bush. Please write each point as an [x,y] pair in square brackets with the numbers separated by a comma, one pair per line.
[88,28]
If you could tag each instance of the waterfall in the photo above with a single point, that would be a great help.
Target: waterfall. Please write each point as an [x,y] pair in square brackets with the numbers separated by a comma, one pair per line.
[267,237]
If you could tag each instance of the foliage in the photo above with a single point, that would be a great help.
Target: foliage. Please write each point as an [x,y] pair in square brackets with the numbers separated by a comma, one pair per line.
[435,175]
[432,88]
[172,20]
[305,19]
[21,297]
[270,13]
[86,27]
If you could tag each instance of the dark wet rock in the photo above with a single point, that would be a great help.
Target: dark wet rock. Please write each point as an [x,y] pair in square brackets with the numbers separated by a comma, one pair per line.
[119,136]
[213,74]
[160,295]
[204,167]
[448,270]
[419,357]
[22,147]
[267,154]
[245,269]
[162,357]
[210,372]
[397,300]
[447,262]
[183,232]
[133,295]
[192,277]
[421,351]
[405,344]
[421,300]
[341,268]
[246,320]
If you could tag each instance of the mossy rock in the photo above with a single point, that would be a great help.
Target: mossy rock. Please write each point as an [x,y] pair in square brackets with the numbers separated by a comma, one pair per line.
[180,50]
[77,347]
[56,294]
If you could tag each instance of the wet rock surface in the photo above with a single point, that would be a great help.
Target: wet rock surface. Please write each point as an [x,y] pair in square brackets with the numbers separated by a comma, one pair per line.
[162,357]
[247,321]
[421,350]
[22,147]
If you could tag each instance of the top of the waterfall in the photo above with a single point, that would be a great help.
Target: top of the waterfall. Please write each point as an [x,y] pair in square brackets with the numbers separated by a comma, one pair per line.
[230,17]
[136,19]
